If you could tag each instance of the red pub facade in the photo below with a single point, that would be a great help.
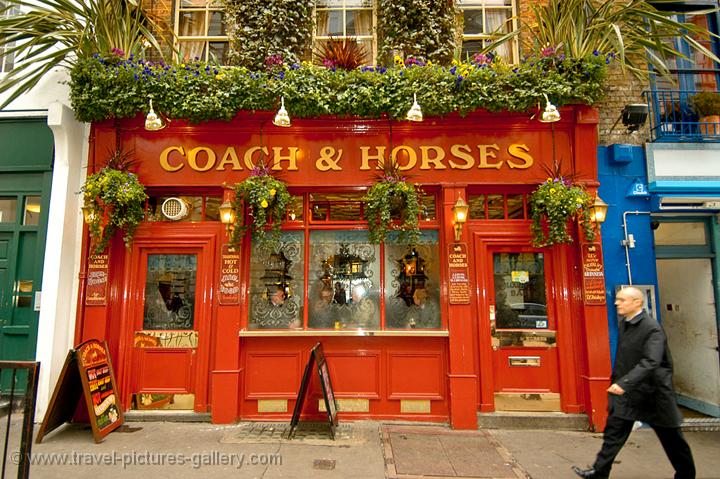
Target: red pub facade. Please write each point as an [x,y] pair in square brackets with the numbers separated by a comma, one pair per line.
[438,331]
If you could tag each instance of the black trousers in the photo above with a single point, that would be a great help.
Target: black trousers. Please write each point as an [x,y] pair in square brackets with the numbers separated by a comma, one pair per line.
[616,433]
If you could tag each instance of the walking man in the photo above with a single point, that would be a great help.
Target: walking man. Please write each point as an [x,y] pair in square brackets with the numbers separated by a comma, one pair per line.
[641,390]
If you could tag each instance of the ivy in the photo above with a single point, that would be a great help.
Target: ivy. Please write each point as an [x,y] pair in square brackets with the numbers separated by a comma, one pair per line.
[260,29]
[421,28]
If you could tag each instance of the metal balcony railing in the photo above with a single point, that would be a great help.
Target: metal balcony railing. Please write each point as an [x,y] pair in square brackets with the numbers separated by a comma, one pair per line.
[672,118]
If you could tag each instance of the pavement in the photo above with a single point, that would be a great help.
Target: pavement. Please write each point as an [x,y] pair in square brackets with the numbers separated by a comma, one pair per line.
[362,449]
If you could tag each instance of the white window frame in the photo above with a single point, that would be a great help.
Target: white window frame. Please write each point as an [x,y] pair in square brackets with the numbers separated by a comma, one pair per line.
[7,63]
[344,8]
[208,8]
[483,6]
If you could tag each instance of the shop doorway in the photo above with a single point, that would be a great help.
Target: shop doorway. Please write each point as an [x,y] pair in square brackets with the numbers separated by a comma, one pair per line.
[523,331]
[689,316]
[170,323]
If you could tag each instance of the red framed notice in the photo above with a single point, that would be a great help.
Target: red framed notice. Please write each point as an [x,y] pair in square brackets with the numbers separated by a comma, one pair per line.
[593,274]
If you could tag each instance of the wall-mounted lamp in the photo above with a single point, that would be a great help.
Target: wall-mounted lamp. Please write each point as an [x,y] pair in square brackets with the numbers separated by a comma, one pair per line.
[153,121]
[414,113]
[460,213]
[550,114]
[634,116]
[227,215]
[88,214]
[282,118]
[598,211]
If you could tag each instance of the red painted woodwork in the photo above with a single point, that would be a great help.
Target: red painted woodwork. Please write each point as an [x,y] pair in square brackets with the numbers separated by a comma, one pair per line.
[415,375]
[154,365]
[451,155]
[526,378]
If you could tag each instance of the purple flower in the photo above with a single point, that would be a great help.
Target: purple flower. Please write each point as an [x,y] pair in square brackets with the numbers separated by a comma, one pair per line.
[118,52]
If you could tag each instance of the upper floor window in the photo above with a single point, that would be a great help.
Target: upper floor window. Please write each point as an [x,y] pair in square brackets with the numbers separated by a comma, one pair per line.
[346,19]
[200,30]
[7,61]
[485,20]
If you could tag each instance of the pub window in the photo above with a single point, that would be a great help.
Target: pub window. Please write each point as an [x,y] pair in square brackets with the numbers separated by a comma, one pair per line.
[498,206]
[276,284]
[183,208]
[412,283]
[483,22]
[200,30]
[170,291]
[346,264]
[327,275]
[346,20]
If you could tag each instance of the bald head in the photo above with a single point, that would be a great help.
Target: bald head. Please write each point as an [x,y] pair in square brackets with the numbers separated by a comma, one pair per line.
[629,302]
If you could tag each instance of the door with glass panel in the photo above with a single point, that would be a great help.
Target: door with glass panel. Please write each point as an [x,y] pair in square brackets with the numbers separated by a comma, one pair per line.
[20,274]
[170,327]
[523,329]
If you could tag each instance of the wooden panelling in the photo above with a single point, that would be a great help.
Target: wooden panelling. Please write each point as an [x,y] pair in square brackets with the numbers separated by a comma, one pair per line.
[153,367]
[511,376]
[272,375]
[364,381]
[415,375]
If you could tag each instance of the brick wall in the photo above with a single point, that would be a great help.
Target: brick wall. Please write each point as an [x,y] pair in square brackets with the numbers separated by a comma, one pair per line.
[621,90]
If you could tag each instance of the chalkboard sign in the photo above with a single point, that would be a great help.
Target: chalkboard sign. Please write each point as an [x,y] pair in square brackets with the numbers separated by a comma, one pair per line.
[317,356]
[87,372]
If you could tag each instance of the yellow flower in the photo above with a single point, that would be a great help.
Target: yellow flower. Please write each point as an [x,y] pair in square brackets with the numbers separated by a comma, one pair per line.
[272,192]
[429,63]
[219,76]
[264,203]
[398,60]
[182,65]
[552,190]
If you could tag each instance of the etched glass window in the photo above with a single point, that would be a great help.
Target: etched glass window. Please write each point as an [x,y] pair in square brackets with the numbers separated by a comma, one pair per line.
[276,284]
[344,281]
[170,291]
[412,283]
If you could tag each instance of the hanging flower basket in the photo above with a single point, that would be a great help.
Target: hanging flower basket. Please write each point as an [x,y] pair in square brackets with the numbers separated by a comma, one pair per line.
[393,203]
[266,199]
[552,205]
[114,199]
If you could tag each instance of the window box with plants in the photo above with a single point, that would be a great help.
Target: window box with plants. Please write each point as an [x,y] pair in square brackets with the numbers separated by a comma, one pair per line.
[707,106]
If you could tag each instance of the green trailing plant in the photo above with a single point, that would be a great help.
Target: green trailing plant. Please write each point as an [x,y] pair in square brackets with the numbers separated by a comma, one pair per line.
[552,205]
[393,204]
[636,32]
[347,54]
[706,103]
[259,29]
[113,87]
[115,200]
[266,199]
[44,34]
[421,28]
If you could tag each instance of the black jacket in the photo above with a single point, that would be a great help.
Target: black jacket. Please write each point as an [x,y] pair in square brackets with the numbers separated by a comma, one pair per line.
[643,368]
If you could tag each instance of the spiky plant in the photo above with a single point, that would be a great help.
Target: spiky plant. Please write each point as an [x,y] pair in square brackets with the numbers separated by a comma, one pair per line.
[635,32]
[346,54]
[54,33]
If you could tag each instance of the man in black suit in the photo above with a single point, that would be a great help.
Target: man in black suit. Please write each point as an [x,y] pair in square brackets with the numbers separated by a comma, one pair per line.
[641,390]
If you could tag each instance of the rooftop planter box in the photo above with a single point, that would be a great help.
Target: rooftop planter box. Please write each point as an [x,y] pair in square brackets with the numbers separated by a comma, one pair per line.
[105,88]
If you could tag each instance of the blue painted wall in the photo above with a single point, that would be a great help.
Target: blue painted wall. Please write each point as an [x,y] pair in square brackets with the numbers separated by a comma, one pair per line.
[617,171]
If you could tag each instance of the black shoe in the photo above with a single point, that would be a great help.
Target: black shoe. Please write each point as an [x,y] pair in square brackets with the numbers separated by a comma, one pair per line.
[588,473]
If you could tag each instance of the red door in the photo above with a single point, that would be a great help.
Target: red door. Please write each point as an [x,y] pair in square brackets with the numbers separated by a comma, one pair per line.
[170,313]
[522,329]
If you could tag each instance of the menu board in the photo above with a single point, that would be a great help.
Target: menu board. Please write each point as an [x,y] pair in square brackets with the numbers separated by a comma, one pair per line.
[87,372]
[97,280]
[593,274]
[317,356]
[458,276]
[229,290]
